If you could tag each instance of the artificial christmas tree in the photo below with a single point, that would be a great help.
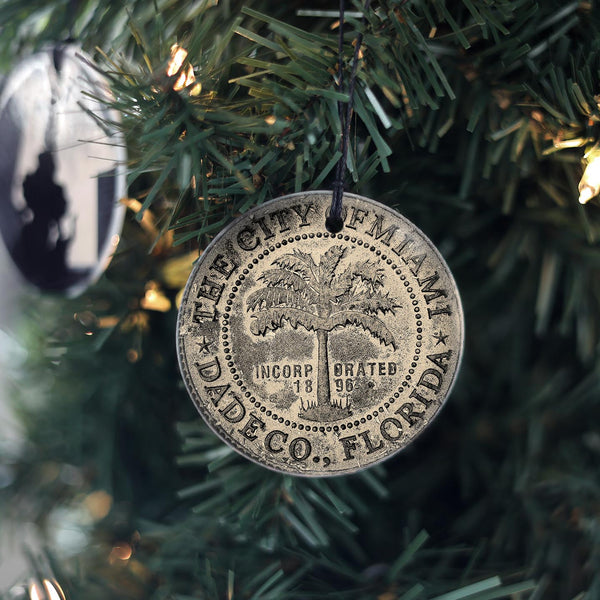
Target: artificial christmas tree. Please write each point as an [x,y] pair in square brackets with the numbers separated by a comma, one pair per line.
[472,119]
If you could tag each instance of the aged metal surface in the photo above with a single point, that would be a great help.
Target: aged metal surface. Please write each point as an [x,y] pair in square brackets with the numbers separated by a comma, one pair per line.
[315,353]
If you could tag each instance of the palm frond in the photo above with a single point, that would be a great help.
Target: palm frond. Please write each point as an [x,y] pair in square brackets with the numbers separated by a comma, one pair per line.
[369,323]
[273,318]
[369,303]
[342,283]
[300,263]
[291,280]
[369,272]
[329,263]
[268,297]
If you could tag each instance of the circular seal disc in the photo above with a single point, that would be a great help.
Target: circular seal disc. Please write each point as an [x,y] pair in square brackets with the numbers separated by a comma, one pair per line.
[314,353]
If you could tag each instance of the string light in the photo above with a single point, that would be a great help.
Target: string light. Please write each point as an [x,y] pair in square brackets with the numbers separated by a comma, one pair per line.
[98,504]
[51,591]
[186,76]
[34,592]
[121,552]
[589,186]
[133,355]
[154,299]
[148,222]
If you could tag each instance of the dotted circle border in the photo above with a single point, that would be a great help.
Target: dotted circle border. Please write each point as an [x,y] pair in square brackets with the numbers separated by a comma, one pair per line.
[231,364]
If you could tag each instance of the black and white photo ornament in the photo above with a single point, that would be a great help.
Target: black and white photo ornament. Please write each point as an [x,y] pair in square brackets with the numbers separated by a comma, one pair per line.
[62,170]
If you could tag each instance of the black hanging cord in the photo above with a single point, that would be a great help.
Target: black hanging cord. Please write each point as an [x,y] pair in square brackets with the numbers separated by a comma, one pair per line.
[334,221]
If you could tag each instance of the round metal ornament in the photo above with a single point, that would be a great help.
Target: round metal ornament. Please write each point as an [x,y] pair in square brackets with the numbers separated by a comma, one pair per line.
[317,353]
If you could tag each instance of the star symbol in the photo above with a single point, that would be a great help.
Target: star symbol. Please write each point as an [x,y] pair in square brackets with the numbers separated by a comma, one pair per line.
[204,345]
[440,337]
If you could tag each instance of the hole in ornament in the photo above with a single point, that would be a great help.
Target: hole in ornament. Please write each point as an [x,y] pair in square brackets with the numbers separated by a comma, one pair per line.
[334,224]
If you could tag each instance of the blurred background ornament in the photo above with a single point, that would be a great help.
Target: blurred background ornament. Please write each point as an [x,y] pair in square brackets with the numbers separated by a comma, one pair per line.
[62,173]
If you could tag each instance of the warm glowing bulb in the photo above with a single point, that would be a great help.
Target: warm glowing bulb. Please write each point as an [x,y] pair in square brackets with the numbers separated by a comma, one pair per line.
[586,193]
[186,77]
[120,552]
[154,299]
[34,592]
[178,55]
[53,590]
[589,186]
[98,504]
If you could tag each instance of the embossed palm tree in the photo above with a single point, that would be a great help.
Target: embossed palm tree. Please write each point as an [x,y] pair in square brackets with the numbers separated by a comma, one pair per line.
[318,298]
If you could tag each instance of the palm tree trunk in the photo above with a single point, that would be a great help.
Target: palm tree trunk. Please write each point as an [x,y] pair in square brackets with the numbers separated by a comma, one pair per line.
[323,393]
